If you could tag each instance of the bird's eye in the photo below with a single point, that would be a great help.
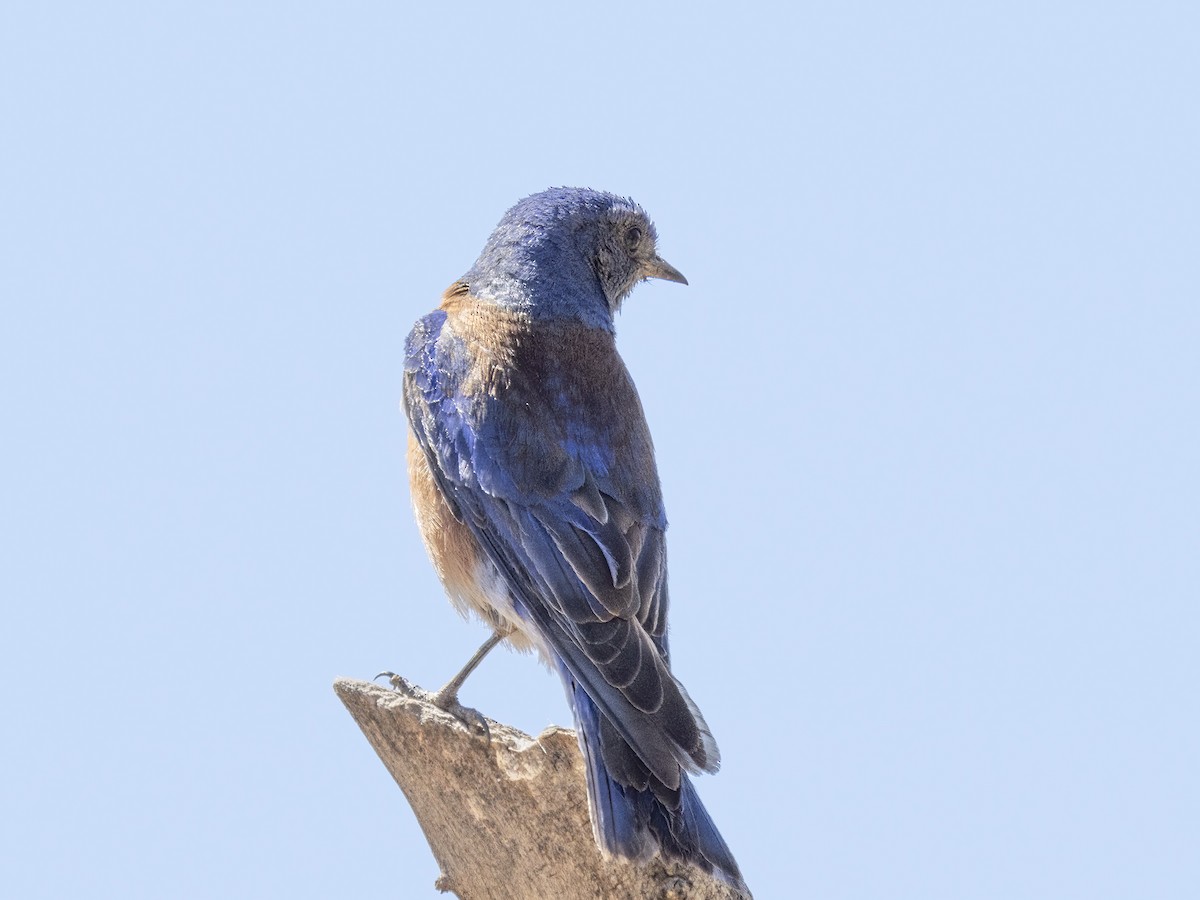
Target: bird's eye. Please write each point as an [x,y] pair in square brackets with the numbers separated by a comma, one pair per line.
[633,238]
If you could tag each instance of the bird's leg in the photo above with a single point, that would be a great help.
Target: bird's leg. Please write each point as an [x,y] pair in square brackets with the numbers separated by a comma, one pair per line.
[447,697]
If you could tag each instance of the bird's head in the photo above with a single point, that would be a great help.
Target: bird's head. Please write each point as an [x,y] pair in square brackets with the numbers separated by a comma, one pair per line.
[622,245]
[570,253]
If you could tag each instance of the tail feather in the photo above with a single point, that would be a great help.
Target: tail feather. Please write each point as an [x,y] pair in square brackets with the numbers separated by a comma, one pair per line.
[638,815]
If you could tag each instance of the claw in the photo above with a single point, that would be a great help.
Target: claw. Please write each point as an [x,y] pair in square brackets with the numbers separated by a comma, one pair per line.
[396,681]
[472,718]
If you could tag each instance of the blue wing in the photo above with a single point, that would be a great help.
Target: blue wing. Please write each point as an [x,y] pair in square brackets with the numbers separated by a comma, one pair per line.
[570,513]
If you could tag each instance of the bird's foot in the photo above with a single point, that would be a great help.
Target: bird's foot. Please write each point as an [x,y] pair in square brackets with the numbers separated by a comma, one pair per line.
[447,700]
[398,682]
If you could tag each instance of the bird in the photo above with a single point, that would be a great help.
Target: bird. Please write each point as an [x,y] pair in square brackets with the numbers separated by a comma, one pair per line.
[536,492]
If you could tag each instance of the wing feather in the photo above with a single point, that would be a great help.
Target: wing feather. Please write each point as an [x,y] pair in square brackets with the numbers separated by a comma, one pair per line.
[580,547]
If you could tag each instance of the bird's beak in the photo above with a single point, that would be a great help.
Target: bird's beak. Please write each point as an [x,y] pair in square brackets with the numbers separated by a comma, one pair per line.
[657,267]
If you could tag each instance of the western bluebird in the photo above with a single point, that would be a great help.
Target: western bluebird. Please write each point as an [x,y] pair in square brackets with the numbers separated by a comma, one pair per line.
[537,495]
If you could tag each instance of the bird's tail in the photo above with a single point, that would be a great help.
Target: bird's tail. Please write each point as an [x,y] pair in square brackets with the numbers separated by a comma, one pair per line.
[636,820]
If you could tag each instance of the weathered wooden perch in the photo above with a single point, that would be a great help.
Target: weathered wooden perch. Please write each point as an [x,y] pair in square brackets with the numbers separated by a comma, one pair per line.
[507,818]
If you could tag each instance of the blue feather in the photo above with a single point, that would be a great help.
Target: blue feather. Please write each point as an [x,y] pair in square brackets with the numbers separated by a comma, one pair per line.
[633,822]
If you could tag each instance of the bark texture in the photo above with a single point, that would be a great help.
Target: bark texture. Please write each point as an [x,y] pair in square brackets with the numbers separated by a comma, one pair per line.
[506,818]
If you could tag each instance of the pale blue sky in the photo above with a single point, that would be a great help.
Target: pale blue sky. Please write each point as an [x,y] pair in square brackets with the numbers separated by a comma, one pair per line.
[927,419]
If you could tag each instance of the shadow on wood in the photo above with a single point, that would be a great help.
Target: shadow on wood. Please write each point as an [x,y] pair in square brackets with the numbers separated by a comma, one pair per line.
[507,818]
